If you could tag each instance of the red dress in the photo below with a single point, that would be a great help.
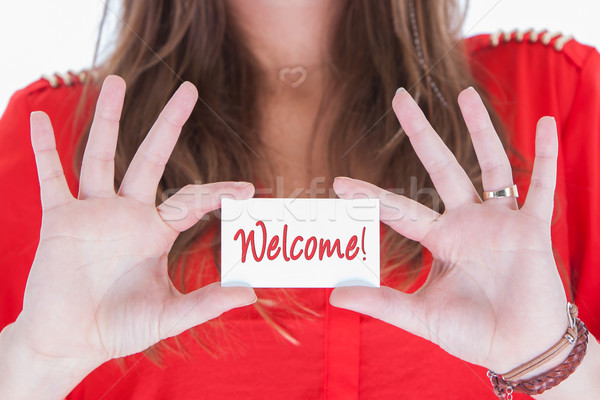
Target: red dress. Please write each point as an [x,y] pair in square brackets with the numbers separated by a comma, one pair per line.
[337,354]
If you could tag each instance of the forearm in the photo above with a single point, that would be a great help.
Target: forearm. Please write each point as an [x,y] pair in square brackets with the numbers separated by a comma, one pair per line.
[584,383]
[25,374]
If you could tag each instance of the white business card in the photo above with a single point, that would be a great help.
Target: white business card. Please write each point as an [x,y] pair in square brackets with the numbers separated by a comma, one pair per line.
[300,243]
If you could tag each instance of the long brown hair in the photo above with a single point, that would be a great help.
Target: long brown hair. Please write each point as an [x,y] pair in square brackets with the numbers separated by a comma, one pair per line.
[376,49]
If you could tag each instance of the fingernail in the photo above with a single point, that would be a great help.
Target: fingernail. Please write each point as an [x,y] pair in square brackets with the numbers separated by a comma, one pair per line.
[341,181]
[191,87]
[342,178]
[247,303]
[243,190]
[341,185]
[400,90]
[36,116]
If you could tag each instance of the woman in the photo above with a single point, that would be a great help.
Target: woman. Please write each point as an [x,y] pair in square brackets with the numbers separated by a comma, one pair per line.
[298,92]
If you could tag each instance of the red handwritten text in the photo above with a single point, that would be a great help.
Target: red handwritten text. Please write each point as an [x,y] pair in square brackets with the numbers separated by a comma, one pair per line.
[277,245]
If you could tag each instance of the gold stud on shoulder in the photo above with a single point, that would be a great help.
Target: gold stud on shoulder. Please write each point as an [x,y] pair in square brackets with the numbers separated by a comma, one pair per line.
[82,76]
[548,36]
[561,41]
[66,78]
[520,34]
[545,37]
[52,80]
[495,38]
[534,35]
[70,78]
[58,79]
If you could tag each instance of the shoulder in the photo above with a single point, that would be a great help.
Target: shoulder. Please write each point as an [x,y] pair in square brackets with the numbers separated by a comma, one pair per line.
[554,45]
[58,95]
[535,72]
[531,58]
[530,74]
[54,91]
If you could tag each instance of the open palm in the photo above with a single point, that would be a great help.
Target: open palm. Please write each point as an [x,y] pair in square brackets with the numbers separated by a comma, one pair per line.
[99,286]
[494,296]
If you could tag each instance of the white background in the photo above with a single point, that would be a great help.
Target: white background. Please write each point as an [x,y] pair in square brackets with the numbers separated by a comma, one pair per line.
[47,36]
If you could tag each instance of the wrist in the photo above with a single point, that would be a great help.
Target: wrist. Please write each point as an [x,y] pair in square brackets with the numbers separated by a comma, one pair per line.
[527,377]
[26,373]
[526,346]
[583,384]
[550,365]
[552,356]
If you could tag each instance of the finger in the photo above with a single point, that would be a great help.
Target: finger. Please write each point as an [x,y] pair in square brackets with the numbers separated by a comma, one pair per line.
[98,165]
[540,197]
[182,210]
[405,216]
[496,171]
[450,180]
[183,312]
[148,164]
[53,185]
[389,305]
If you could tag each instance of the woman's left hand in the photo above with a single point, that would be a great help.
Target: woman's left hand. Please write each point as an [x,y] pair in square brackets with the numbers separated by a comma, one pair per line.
[494,296]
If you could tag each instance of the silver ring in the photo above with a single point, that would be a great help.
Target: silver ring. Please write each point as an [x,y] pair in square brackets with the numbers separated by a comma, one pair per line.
[510,191]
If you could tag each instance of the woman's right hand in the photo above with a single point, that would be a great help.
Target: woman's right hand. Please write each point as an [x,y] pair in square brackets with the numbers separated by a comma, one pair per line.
[99,287]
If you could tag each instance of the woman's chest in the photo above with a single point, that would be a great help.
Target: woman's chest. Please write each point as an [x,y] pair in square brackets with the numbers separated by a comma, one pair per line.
[337,355]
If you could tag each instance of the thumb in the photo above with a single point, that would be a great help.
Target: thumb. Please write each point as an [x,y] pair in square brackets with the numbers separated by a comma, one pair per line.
[186,207]
[184,311]
[389,305]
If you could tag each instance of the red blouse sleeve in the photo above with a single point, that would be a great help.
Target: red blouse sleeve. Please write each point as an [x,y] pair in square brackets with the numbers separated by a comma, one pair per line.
[20,211]
[580,142]
[20,207]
